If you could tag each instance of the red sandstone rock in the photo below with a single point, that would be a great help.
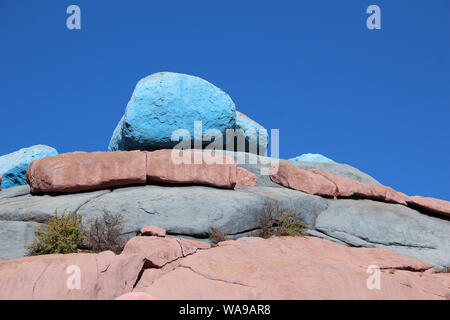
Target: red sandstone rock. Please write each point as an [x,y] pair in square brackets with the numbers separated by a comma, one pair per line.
[300,179]
[431,204]
[159,251]
[167,166]
[293,268]
[102,276]
[346,187]
[153,231]
[248,268]
[245,178]
[83,171]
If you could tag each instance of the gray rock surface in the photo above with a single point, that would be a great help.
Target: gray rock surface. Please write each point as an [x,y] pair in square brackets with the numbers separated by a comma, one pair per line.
[190,211]
[15,236]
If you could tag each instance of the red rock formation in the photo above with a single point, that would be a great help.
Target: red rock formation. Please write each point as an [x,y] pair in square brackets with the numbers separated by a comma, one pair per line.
[83,171]
[191,167]
[248,268]
[319,182]
[296,178]
[245,178]
[431,204]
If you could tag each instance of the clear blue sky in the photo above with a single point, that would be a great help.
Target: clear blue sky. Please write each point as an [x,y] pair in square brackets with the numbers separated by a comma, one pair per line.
[378,100]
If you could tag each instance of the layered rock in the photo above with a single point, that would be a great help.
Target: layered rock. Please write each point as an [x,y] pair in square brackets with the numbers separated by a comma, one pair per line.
[82,171]
[165,102]
[153,231]
[249,268]
[13,166]
[188,211]
[311,157]
[293,268]
[319,182]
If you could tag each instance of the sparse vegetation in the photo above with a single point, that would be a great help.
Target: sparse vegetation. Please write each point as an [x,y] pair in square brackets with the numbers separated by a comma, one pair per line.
[105,233]
[61,234]
[216,235]
[276,221]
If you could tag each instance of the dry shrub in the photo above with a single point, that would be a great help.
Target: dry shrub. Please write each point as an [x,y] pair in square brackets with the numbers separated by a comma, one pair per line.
[105,233]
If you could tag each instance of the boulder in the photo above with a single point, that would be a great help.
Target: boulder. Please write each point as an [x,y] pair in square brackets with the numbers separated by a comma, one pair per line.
[165,102]
[101,276]
[430,204]
[191,167]
[153,231]
[312,157]
[293,268]
[13,166]
[83,171]
[158,251]
[296,178]
[255,136]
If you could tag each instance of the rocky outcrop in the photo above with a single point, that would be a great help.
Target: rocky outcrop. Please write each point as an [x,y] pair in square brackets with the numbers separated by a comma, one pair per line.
[190,211]
[249,268]
[319,182]
[13,166]
[165,102]
[312,157]
[82,171]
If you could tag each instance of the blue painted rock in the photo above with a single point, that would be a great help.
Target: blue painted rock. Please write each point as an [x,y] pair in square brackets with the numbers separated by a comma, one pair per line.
[313,157]
[13,166]
[256,137]
[164,102]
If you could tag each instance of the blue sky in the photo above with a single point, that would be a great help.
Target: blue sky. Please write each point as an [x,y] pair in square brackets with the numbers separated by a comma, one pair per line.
[378,100]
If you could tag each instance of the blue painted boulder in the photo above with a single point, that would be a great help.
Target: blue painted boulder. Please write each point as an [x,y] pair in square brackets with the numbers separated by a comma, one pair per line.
[313,157]
[13,166]
[164,102]
[256,136]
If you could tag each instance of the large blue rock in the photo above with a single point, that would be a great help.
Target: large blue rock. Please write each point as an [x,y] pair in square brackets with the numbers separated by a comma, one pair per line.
[256,136]
[164,102]
[313,157]
[13,166]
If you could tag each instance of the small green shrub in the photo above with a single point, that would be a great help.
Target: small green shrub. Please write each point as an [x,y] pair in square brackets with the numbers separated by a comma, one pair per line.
[216,235]
[289,226]
[106,233]
[61,234]
[276,221]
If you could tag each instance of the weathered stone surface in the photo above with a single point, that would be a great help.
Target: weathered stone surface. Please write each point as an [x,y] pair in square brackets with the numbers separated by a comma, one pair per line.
[13,166]
[292,268]
[165,102]
[103,276]
[84,171]
[191,167]
[136,296]
[303,180]
[153,231]
[158,251]
[15,236]
[346,187]
[368,223]
[312,157]
[430,204]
